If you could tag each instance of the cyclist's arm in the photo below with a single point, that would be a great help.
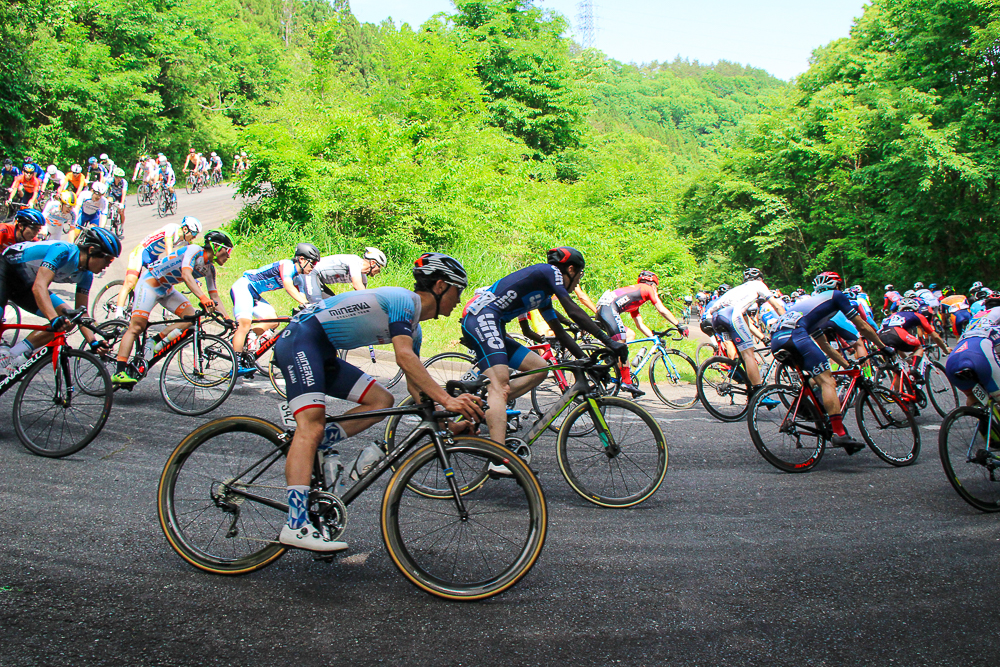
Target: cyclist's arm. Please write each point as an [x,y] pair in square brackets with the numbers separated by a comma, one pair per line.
[581,318]
[867,331]
[565,339]
[933,335]
[419,380]
[585,300]
[40,290]
[824,345]
[293,291]
[753,328]
[778,305]
[356,282]
[187,274]
[529,333]
[641,325]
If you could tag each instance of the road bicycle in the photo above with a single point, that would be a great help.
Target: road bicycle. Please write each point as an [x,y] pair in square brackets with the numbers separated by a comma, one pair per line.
[215,178]
[199,369]
[672,373]
[610,450]
[790,428]
[918,381]
[64,396]
[969,447]
[145,194]
[115,224]
[166,203]
[724,388]
[451,528]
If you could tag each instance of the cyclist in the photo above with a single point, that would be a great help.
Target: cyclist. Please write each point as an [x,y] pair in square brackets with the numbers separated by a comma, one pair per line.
[334,269]
[957,310]
[27,224]
[38,168]
[94,209]
[117,190]
[75,181]
[237,164]
[898,331]
[167,176]
[95,172]
[8,173]
[108,165]
[27,270]
[799,331]
[485,318]
[976,357]
[28,185]
[730,324]
[891,301]
[194,159]
[927,296]
[248,303]
[706,321]
[628,300]
[202,166]
[60,216]
[156,286]
[216,163]
[156,245]
[53,179]
[307,356]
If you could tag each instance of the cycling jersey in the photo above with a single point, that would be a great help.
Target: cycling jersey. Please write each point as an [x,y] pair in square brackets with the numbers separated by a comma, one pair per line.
[96,173]
[768,316]
[908,321]
[217,163]
[7,176]
[986,325]
[117,192]
[630,298]
[167,175]
[978,351]
[60,257]
[892,300]
[740,297]
[155,244]
[53,180]
[340,269]
[8,236]
[270,277]
[93,211]
[805,319]
[955,302]
[27,183]
[168,270]
[74,182]
[369,317]
[56,220]
[927,297]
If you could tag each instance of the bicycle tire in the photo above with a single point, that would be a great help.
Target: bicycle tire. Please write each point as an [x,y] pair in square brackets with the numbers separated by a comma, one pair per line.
[942,395]
[450,366]
[192,520]
[111,332]
[11,315]
[677,385]
[508,516]
[582,459]
[704,351]
[277,379]
[884,421]
[195,389]
[189,185]
[386,373]
[723,395]
[781,433]
[967,460]
[104,306]
[46,392]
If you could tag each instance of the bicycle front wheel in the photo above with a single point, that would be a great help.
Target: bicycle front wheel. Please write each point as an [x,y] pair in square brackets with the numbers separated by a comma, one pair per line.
[785,427]
[673,377]
[471,554]
[971,464]
[888,426]
[723,389]
[107,300]
[52,416]
[937,386]
[377,361]
[197,378]
[450,366]
[221,498]
[622,458]
[11,315]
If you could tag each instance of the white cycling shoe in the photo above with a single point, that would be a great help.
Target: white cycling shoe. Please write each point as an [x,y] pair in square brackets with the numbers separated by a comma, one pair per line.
[309,538]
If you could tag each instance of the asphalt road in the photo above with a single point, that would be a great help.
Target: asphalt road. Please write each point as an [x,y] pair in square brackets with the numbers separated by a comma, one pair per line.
[730,563]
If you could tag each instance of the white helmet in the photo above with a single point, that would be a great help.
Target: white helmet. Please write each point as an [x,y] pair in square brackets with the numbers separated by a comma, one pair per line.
[192,223]
[100,188]
[214,155]
[376,255]
[162,159]
[76,169]
[243,154]
[51,169]
[104,156]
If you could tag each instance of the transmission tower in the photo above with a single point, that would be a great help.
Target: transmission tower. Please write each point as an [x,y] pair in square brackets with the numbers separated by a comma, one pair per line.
[585,23]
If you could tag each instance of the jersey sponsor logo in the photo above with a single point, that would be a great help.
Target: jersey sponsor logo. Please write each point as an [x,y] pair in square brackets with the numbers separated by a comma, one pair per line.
[623,301]
[487,331]
[895,321]
[503,301]
[534,300]
[558,278]
[961,348]
[348,311]
[305,370]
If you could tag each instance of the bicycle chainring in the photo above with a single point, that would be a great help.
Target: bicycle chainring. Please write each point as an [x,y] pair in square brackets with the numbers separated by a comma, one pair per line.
[519,447]
[329,513]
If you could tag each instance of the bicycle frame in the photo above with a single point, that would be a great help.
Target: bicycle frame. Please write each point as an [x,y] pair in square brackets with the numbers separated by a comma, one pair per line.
[140,343]
[269,343]
[53,346]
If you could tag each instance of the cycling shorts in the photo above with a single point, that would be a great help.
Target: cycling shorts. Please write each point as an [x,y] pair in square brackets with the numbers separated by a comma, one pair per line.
[14,290]
[960,320]
[982,357]
[611,320]
[148,293]
[247,304]
[484,335]
[900,338]
[732,327]
[313,370]
[843,329]
[806,353]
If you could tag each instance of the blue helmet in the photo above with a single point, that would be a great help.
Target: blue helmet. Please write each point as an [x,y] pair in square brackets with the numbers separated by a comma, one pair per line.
[30,216]
[103,240]
[92,160]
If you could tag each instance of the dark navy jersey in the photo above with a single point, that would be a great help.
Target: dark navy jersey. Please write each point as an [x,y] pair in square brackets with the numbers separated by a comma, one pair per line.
[907,320]
[528,289]
[814,313]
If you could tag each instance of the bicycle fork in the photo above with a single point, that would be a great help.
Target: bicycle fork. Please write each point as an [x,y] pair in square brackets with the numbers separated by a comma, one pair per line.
[440,437]
[611,447]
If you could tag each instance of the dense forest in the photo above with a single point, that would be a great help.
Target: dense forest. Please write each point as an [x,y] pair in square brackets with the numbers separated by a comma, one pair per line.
[488,133]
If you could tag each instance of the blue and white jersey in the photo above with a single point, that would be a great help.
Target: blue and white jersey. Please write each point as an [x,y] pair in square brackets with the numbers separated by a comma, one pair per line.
[986,325]
[527,289]
[370,317]
[977,307]
[927,297]
[814,313]
[768,316]
[93,211]
[60,257]
[271,277]
[169,270]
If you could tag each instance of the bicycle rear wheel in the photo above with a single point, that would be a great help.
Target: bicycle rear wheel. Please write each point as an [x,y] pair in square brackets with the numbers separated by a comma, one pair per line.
[472,556]
[673,377]
[106,301]
[198,378]
[888,426]
[943,396]
[203,513]
[379,361]
[11,315]
[277,379]
[723,389]
[622,459]
[786,428]
[450,366]
[51,417]
[705,351]
[971,464]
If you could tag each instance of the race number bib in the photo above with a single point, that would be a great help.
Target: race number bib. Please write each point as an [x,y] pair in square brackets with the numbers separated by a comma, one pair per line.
[287,418]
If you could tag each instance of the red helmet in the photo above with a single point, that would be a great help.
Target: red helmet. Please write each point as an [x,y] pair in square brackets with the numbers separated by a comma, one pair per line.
[649,278]
[190,150]
[828,280]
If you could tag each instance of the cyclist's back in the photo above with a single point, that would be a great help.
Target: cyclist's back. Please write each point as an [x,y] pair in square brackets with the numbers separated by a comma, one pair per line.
[524,290]
[976,357]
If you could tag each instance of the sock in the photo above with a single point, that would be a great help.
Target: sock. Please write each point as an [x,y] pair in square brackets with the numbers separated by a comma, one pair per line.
[626,374]
[332,434]
[22,347]
[298,497]
[120,366]
[837,423]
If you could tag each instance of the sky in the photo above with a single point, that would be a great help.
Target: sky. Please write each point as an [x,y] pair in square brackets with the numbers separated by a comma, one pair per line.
[776,35]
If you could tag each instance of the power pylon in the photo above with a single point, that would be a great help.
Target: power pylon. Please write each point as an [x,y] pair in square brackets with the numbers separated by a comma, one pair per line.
[585,23]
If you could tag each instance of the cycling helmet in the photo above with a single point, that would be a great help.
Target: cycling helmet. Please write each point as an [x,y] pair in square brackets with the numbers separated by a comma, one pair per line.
[68,198]
[827,280]
[852,291]
[909,294]
[76,169]
[377,256]
[119,172]
[932,286]
[797,293]
[433,266]
[104,156]
[213,154]
[29,217]
[100,188]
[217,238]
[243,154]
[649,278]
[752,274]
[857,289]
[787,298]
[947,290]
[564,256]
[918,285]
[8,162]
[992,301]
[192,224]
[92,160]
[29,168]
[190,150]
[307,250]
[51,170]
[982,293]
[162,159]
[909,304]
[975,286]
[723,288]
[889,288]
[103,240]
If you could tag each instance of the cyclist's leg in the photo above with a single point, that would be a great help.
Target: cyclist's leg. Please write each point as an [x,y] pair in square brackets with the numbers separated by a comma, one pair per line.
[147,293]
[742,338]
[262,310]
[135,267]
[524,359]
[243,305]
[611,321]
[482,334]
[981,356]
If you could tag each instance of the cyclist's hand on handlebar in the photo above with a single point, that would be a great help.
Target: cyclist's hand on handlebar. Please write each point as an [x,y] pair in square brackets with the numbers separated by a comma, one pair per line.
[99,347]
[684,330]
[58,323]
[620,350]
[888,351]
[207,303]
[467,405]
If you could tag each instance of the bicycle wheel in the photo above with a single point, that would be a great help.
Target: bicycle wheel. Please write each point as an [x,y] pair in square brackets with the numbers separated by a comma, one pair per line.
[110,332]
[189,184]
[11,315]
[379,361]
[196,379]
[277,379]
[451,366]
[471,555]
[888,426]
[106,301]
[786,428]
[704,351]
[623,458]
[51,417]
[163,205]
[943,396]
[723,389]
[209,524]
[673,376]
[971,465]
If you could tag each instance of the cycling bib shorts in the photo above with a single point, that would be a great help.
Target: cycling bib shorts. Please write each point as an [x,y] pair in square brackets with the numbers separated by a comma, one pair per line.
[149,292]
[981,355]
[806,353]
[485,336]
[734,328]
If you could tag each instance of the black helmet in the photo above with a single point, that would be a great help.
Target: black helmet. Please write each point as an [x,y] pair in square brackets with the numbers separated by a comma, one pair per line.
[992,301]
[103,240]
[752,274]
[218,238]
[433,266]
[982,293]
[564,256]
[723,288]
[975,286]
[309,251]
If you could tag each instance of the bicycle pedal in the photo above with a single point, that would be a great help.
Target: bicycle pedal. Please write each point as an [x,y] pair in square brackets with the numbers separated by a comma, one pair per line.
[326,557]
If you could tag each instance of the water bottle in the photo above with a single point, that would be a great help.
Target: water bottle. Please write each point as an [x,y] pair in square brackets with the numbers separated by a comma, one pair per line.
[368,457]
[150,349]
[332,470]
